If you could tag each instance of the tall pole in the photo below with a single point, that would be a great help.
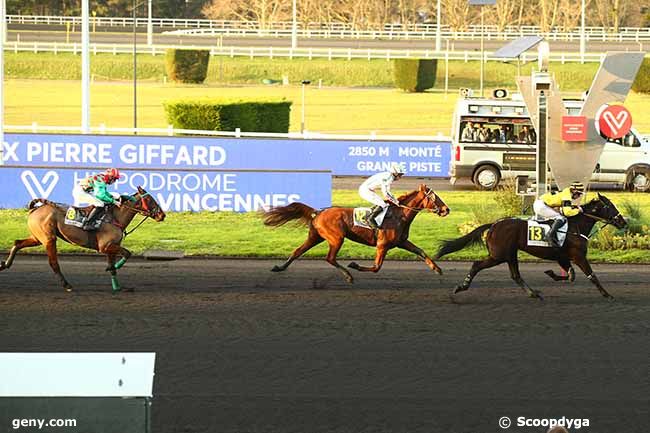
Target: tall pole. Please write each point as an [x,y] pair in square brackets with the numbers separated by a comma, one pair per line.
[294,25]
[438,28]
[3,25]
[85,67]
[583,43]
[482,50]
[542,143]
[149,24]
[302,114]
[135,71]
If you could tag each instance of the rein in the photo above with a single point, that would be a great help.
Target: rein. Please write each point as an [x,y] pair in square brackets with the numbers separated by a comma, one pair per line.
[435,210]
[598,219]
[144,212]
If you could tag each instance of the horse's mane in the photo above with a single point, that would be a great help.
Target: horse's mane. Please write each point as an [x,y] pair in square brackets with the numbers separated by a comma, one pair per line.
[408,195]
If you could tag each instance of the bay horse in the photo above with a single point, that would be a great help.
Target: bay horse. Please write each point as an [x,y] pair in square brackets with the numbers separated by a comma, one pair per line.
[335,224]
[509,235]
[46,222]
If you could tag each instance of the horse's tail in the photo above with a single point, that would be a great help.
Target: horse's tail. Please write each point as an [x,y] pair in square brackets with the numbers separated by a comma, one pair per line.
[278,216]
[471,238]
[37,203]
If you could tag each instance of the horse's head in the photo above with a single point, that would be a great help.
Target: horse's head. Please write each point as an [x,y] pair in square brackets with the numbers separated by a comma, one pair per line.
[146,205]
[603,208]
[432,201]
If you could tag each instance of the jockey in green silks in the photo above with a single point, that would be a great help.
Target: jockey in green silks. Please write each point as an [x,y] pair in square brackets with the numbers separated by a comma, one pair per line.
[93,190]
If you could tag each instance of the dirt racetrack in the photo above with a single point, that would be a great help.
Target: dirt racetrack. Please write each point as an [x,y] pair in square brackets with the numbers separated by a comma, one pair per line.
[241,349]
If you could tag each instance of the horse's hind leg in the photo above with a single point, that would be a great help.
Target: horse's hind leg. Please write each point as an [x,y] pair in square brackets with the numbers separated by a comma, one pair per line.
[313,239]
[335,246]
[18,245]
[565,264]
[411,247]
[513,264]
[379,261]
[476,268]
[50,247]
[591,276]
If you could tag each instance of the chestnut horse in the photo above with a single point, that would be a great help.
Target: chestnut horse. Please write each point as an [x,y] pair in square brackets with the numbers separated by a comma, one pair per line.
[46,224]
[509,235]
[336,223]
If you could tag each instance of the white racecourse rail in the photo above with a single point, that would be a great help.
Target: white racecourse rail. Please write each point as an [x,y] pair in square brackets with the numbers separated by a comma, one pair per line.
[343,30]
[77,374]
[309,52]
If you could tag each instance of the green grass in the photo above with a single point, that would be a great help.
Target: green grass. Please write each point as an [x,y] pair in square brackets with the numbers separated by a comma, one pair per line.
[330,110]
[243,70]
[244,235]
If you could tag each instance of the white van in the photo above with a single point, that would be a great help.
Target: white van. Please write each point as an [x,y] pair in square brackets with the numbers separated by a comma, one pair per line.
[493,139]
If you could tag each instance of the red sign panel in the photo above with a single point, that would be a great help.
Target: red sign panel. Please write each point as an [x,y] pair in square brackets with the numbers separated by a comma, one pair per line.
[613,121]
[574,128]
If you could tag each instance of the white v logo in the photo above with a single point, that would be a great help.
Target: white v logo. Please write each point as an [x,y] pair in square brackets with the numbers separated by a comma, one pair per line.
[39,188]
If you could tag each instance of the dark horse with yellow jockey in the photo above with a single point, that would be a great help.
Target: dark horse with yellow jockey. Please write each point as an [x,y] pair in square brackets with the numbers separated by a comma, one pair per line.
[46,223]
[507,236]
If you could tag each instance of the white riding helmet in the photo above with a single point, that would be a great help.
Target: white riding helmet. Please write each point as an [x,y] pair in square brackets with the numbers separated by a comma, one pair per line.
[396,169]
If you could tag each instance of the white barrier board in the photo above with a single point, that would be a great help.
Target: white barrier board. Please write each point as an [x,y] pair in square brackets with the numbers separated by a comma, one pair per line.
[76,374]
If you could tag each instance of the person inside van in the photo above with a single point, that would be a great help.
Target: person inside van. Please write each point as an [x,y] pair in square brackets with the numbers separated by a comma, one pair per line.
[526,135]
[500,135]
[468,132]
[485,135]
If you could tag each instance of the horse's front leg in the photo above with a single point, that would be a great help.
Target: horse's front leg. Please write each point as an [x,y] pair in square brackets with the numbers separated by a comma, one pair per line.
[411,247]
[112,251]
[379,261]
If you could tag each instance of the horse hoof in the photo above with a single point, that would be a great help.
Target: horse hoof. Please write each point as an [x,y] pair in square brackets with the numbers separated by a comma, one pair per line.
[353,265]
[438,271]
[349,279]
[68,289]
[459,289]
[111,269]
[277,268]
[3,266]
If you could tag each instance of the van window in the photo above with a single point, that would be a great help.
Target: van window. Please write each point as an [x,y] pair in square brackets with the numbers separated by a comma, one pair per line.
[497,130]
[629,140]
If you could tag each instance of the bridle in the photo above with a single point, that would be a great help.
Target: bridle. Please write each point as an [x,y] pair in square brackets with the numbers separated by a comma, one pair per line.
[142,210]
[607,221]
[431,195]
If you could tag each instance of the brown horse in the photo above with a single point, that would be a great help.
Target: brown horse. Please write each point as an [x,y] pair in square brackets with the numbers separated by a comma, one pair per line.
[46,224]
[507,236]
[336,223]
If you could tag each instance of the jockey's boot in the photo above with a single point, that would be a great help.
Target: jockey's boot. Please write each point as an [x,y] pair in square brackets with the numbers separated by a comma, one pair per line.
[90,218]
[376,210]
[551,236]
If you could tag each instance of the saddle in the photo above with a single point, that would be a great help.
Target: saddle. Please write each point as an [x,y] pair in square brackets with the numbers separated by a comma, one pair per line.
[537,231]
[360,216]
[76,216]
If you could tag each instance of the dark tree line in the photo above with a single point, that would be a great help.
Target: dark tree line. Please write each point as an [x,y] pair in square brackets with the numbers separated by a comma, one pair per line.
[114,8]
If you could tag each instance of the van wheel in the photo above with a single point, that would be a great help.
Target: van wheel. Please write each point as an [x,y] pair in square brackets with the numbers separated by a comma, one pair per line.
[639,181]
[486,177]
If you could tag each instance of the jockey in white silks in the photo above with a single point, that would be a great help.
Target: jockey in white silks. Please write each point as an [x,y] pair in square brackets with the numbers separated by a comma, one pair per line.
[368,190]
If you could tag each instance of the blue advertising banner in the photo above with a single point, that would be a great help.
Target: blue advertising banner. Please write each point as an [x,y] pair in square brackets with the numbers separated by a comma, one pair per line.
[342,157]
[176,190]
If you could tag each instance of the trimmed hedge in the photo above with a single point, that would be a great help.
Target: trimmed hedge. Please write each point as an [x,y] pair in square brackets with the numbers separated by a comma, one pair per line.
[227,115]
[641,83]
[187,66]
[415,75]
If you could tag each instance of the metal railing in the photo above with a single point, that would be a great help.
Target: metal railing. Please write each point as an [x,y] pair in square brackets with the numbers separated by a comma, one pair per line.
[344,30]
[287,52]
[35,128]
